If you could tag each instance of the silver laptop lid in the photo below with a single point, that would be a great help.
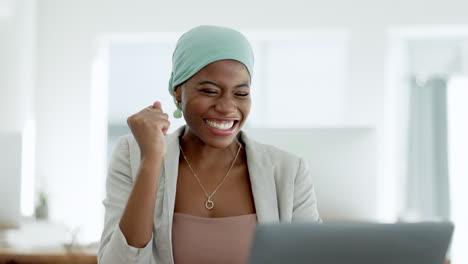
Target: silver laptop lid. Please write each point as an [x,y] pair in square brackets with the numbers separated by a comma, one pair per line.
[349,243]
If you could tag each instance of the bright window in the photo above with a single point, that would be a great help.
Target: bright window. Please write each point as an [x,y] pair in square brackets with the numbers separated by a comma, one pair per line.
[458,166]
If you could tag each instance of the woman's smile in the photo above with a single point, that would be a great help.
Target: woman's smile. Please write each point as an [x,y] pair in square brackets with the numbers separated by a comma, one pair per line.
[221,127]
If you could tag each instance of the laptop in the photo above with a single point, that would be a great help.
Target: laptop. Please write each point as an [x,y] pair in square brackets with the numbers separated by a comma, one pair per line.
[351,243]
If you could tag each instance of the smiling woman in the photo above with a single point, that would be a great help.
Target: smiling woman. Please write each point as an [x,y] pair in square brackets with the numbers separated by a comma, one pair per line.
[195,196]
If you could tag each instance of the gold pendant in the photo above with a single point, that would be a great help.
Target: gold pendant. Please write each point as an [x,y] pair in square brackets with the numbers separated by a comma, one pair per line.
[209,204]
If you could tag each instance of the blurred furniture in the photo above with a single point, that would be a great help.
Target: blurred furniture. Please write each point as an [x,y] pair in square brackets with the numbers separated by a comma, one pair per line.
[42,241]
[16,256]
[47,256]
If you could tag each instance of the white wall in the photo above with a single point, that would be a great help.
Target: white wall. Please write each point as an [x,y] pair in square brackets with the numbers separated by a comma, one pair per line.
[66,46]
[342,164]
[17,83]
[17,48]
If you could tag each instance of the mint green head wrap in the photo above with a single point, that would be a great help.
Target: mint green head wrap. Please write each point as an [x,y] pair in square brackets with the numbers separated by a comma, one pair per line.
[203,45]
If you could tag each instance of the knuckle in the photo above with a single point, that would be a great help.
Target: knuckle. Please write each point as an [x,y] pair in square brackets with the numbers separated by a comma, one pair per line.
[163,123]
[139,121]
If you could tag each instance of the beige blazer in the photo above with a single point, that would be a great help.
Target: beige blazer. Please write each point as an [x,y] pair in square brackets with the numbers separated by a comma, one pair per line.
[281,185]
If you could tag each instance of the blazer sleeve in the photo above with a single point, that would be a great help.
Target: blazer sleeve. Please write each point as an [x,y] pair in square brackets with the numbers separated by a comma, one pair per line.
[305,201]
[114,248]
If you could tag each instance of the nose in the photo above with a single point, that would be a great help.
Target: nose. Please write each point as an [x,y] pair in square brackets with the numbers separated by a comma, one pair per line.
[226,105]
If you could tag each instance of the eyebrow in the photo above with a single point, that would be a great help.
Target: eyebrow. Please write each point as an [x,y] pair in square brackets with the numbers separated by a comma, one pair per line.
[217,85]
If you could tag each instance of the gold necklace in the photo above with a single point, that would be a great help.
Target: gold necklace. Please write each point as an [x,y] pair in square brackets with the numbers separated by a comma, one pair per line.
[209,204]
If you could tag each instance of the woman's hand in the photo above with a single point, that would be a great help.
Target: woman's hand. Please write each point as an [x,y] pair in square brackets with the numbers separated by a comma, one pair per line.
[149,127]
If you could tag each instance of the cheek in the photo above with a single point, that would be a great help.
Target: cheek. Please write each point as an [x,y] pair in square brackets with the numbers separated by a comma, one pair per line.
[195,107]
[198,104]
[245,106]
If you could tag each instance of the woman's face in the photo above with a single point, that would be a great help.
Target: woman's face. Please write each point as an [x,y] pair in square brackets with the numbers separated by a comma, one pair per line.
[216,102]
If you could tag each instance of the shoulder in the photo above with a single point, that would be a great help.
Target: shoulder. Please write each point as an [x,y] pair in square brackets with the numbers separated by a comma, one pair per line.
[128,140]
[279,159]
[123,152]
[129,144]
[280,156]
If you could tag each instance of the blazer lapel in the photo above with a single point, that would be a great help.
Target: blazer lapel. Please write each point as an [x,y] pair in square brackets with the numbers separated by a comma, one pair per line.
[171,169]
[262,180]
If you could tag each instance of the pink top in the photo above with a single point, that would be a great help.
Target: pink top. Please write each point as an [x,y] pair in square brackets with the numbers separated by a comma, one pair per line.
[212,240]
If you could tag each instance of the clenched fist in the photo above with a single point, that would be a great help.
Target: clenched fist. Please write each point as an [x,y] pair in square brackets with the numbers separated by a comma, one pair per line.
[149,127]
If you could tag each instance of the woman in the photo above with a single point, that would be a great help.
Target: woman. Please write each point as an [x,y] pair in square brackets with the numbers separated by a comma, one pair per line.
[194,196]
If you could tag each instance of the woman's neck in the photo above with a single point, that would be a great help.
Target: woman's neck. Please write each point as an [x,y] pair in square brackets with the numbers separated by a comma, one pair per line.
[204,155]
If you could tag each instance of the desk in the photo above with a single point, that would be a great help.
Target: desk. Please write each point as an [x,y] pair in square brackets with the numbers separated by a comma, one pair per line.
[47,256]
[11,256]
[41,242]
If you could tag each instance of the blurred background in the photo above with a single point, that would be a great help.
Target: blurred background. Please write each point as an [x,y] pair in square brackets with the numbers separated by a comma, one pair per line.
[372,93]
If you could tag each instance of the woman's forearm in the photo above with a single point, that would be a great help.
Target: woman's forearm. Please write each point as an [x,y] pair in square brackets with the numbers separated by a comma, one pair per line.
[137,220]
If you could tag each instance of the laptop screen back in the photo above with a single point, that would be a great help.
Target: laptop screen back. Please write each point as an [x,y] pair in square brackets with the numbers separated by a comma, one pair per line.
[349,243]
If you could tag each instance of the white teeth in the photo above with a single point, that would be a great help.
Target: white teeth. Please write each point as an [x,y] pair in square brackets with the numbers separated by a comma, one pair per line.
[222,125]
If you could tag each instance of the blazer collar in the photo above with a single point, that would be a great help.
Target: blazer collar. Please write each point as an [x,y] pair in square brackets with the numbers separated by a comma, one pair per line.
[171,169]
[260,168]
[262,180]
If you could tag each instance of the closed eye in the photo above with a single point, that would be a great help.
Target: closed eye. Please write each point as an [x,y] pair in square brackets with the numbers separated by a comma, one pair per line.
[209,91]
[243,95]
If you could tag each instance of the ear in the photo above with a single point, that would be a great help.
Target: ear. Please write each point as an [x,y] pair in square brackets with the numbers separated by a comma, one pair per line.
[178,92]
